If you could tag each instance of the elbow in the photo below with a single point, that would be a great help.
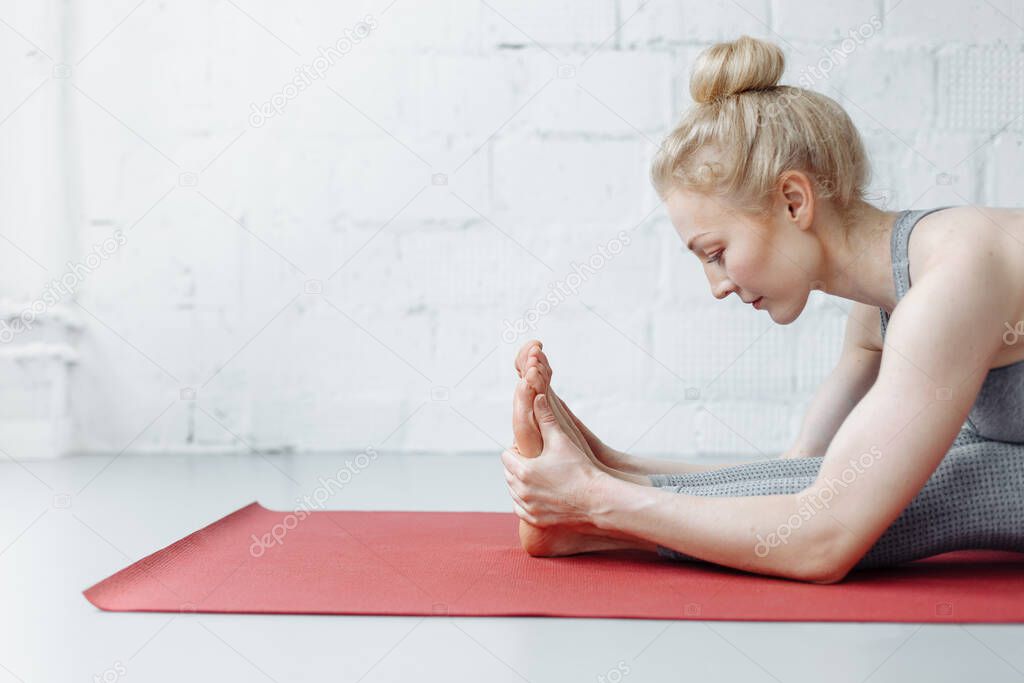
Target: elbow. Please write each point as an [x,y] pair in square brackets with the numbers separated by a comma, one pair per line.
[828,574]
[827,562]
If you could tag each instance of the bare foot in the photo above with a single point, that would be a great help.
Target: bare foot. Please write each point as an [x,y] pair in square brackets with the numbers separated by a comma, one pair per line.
[551,541]
[531,356]
[524,424]
[537,377]
[538,381]
[557,541]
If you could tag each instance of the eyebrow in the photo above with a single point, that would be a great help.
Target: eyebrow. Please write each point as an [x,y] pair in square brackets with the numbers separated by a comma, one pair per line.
[689,245]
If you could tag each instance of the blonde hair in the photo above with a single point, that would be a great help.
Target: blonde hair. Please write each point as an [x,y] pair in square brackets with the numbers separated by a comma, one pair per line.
[744,130]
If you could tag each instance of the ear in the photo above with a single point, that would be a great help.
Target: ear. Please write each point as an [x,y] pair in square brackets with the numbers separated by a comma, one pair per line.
[797,198]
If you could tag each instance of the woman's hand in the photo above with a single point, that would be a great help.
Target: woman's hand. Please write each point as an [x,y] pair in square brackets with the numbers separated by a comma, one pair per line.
[555,488]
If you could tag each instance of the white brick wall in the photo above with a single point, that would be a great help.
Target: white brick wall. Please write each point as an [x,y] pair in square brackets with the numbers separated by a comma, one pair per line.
[339,275]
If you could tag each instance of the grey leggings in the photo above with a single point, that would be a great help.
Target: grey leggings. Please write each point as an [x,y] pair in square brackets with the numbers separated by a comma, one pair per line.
[973,500]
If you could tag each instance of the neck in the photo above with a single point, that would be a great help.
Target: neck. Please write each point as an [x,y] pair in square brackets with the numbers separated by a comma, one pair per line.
[859,268]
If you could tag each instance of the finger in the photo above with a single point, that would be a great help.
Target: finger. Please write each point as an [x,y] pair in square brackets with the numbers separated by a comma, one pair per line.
[550,430]
[512,463]
[523,514]
[516,498]
[560,410]
[572,417]
[589,435]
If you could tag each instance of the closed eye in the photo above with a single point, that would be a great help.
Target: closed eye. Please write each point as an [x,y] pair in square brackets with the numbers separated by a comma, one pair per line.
[714,259]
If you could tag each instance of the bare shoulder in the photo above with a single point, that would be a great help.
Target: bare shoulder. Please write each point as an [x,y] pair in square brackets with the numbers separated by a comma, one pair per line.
[954,243]
[975,246]
[967,233]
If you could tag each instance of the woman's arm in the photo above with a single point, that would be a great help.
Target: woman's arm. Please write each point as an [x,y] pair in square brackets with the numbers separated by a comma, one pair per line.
[735,532]
[848,382]
[845,386]
[940,343]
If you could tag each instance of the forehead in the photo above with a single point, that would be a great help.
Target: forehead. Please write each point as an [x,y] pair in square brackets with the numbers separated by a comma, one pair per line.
[693,213]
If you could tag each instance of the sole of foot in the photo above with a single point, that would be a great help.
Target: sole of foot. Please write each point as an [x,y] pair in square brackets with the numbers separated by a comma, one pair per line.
[559,541]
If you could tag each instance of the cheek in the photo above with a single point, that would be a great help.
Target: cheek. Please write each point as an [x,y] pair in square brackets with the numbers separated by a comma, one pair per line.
[745,269]
[755,268]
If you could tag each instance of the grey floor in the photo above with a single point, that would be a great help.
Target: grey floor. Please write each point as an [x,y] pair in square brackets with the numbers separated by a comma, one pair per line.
[67,524]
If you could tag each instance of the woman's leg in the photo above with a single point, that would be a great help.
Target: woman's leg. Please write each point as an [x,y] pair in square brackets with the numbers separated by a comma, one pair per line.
[759,470]
[973,500]
[763,469]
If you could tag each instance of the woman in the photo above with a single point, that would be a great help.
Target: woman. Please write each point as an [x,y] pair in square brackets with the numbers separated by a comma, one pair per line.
[914,444]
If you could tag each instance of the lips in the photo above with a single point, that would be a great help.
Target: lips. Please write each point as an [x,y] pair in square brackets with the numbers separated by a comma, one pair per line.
[756,303]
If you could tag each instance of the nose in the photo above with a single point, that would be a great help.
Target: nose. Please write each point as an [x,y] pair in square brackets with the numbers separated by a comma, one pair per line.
[722,288]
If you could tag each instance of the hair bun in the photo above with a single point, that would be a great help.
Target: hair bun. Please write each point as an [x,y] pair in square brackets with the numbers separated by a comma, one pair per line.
[738,66]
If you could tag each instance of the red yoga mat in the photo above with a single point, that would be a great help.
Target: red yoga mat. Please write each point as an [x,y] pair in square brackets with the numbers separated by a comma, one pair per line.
[470,564]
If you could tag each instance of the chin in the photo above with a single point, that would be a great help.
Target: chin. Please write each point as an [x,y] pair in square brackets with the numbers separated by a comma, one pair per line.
[783,314]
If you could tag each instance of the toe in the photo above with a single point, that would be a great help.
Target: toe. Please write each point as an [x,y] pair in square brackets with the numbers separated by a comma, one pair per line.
[545,378]
[544,362]
[540,381]
[523,354]
[535,380]
[544,368]
[535,364]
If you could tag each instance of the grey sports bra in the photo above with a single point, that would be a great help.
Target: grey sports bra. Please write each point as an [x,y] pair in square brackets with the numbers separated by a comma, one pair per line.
[998,411]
